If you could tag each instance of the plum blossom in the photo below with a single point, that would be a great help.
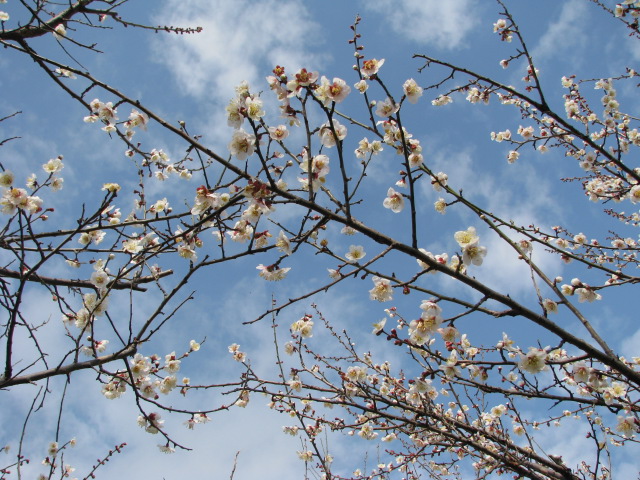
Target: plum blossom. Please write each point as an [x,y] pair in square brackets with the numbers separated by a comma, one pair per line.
[278,133]
[356,374]
[95,236]
[59,32]
[15,199]
[475,96]
[137,119]
[160,206]
[626,426]
[103,111]
[634,194]
[303,78]
[305,456]
[6,178]
[378,326]
[587,294]
[466,237]
[172,364]
[304,326]
[238,356]
[439,181]
[283,243]
[272,273]
[234,109]
[326,134]
[152,423]
[394,201]
[114,389]
[242,144]
[206,199]
[501,136]
[525,132]
[450,368]
[355,253]
[100,279]
[441,100]
[412,90]
[242,231]
[442,259]
[54,165]
[332,91]
[500,24]
[549,306]
[364,147]
[534,361]
[371,67]
[387,108]
[319,170]
[361,86]
[382,290]
[187,251]
[473,254]
[63,72]
[159,157]
[111,187]
[253,108]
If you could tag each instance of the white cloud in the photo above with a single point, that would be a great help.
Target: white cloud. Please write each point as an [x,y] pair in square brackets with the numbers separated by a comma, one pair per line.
[631,346]
[566,34]
[240,40]
[513,193]
[433,22]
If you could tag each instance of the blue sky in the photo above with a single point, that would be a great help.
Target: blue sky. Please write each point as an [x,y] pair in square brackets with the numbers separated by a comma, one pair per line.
[191,78]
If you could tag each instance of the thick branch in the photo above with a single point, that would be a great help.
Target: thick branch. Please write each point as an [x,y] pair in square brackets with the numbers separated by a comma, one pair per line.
[67,369]
[63,282]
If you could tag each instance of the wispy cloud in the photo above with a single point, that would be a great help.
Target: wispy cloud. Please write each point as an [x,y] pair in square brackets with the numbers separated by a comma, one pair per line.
[511,192]
[432,22]
[564,35]
[239,41]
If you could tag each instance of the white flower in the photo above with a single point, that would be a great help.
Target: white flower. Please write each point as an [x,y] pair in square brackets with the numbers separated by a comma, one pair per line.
[278,133]
[361,86]
[371,67]
[473,254]
[412,90]
[378,326]
[326,134]
[253,108]
[626,426]
[549,306]
[272,273]
[441,100]
[466,237]
[53,166]
[100,279]
[304,326]
[6,178]
[59,31]
[394,201]
[355,253]
[283,243]
[242,144]
[387,108]
[587,294]
[382,290]
[534,361]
